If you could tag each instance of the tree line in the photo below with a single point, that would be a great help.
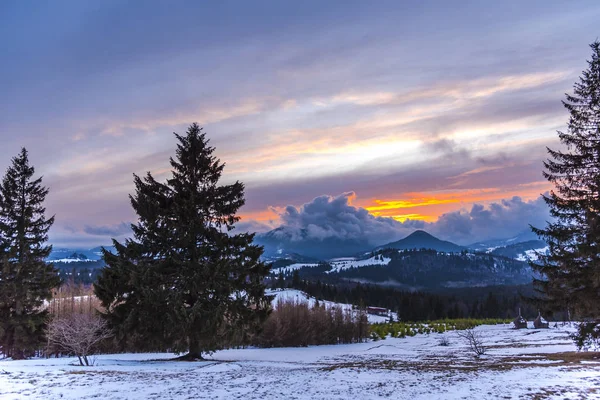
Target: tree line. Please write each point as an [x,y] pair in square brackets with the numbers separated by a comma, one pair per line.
[489,302]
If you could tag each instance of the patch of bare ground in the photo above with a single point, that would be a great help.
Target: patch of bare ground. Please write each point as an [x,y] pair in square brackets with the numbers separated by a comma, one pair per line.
[524,345]
[96,372]
[565,359]
[575,356]
[562,392]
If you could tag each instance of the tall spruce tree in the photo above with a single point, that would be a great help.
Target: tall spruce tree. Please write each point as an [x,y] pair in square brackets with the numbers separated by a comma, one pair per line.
[185,282]
[26,280]
[571,271]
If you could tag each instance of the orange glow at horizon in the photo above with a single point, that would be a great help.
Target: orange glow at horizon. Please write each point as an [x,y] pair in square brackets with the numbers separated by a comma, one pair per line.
[424,206]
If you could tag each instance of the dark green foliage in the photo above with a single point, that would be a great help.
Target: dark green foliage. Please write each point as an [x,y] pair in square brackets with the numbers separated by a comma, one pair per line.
[481,302]
[183,283]
[572,269]
[26,280]
[588,335]
[85,272]
[403,329]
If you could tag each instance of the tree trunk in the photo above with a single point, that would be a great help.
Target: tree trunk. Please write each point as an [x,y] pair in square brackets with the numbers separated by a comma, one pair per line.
[194,354]
[18,354]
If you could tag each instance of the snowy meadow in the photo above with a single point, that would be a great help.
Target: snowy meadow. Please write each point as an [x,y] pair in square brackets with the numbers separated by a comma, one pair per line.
[526,363]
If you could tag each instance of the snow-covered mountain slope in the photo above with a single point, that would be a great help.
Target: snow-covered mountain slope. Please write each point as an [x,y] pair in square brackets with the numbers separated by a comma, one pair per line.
[72,260]
[346,263]
[532,255]
[301,297]
[293,267]
[337,264]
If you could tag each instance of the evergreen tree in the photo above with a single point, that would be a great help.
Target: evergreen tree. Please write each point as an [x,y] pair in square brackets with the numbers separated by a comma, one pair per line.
[184,283]
[26,280]
[571,270]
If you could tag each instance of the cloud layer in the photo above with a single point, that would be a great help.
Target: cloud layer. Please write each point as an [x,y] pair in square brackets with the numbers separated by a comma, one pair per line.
[335,217]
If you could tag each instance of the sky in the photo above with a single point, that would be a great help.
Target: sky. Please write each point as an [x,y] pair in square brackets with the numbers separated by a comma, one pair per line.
[430,114]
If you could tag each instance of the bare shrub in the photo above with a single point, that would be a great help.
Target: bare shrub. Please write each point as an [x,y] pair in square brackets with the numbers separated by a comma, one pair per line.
[78,334]
[444,341]
[474,340]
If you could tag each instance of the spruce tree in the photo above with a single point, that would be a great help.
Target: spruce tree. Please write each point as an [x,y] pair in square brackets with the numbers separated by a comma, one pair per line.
[570,273]
[185,282]
[26,280]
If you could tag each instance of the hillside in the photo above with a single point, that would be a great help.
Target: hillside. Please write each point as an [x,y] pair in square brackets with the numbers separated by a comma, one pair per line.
[521,251]
[419,269]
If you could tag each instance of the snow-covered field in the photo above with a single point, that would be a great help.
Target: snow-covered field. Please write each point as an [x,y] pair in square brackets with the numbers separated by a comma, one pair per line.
[530,363]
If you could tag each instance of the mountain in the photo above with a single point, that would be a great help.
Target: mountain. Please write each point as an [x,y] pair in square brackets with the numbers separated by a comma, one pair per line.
[491,244]
[65,254]
[283,240]
[423,240]
[420,270]
[522,250]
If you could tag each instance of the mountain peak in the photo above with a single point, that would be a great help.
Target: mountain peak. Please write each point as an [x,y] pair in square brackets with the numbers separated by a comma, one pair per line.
[420,239]
[421,234]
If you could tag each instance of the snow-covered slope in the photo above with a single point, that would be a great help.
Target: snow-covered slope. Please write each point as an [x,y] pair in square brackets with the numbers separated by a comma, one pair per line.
[300,296]
[72,260]
[337,264]
[346,263]
[293,267]
[532,255]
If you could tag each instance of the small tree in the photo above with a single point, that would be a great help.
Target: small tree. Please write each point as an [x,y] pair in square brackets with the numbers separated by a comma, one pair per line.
[26,280]
[571,269]
[474,340]
[184,282]
[78,334]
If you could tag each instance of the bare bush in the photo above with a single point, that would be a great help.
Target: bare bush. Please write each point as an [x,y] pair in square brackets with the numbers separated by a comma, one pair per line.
[298,324]
[444,341]
[78,334]
[474,340]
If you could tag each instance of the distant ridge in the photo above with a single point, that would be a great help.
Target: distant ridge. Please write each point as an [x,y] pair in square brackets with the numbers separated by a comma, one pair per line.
[423,240]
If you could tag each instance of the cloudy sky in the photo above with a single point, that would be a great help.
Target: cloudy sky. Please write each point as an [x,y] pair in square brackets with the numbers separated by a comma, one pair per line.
[428,112]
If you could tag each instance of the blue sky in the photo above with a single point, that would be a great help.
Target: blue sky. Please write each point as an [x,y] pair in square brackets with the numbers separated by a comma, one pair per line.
[419,110]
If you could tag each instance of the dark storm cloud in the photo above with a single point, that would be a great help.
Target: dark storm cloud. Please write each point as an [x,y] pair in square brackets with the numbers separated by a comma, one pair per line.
[327,217]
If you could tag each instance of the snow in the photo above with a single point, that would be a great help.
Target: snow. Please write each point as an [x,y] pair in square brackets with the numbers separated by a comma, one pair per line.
[301,297]
[341,264]
[532,255]
[524,363]
[70,260]
[293,267]
[337,264]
